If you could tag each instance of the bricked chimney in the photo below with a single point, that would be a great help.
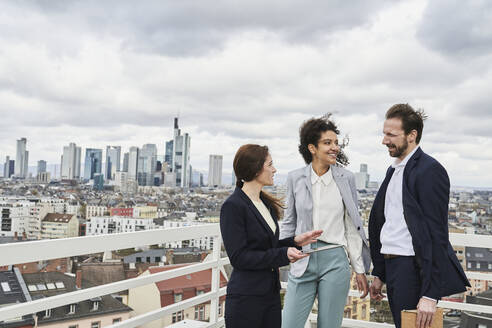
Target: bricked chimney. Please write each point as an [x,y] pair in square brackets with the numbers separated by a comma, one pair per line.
[78,279]
[16,236]
[24,236]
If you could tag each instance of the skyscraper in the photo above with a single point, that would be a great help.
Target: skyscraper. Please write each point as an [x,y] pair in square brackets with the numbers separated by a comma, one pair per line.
[70,163]
[93,163]
[181,156]
[126,158]
[168,157]
[8,167]
[146,166]
[41,166]
[113,160]
[215,170]
[133,163]
[362,177]
[21,159]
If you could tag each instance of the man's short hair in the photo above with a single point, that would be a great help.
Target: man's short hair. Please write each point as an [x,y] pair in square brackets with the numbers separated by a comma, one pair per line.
[411,119]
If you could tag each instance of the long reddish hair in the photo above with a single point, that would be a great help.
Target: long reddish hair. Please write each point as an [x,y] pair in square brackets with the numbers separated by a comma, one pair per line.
[248,164]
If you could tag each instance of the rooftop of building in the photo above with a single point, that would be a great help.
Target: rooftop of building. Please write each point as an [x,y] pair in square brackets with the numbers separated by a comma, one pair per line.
[57,217]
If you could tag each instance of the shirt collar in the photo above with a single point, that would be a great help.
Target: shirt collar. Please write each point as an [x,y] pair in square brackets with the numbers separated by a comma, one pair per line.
[398,163]
[326,178]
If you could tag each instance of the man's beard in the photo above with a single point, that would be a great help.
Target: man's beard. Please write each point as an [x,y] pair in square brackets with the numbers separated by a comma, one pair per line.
[399,150]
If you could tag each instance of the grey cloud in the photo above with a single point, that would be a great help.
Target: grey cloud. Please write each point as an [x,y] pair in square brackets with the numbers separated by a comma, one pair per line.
[196,27]
[457,28]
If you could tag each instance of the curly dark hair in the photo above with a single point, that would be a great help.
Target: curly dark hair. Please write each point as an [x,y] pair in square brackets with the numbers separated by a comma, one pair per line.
[310,133]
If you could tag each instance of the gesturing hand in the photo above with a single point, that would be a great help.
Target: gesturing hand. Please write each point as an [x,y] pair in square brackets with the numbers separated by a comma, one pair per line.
[307,237]
[293,254]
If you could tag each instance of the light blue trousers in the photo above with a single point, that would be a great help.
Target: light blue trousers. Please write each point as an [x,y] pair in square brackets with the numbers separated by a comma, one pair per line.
[327,276]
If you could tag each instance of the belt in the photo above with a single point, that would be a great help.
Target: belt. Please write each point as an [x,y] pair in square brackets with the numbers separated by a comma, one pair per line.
[391,256]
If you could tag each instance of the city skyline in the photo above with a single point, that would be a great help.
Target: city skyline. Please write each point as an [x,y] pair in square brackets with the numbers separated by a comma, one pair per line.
[248,76]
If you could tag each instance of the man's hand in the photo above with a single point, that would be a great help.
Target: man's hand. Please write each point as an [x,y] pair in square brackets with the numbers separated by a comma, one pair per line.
[307,237]
[293,254]
[362,285]
[375,289]
[425,312]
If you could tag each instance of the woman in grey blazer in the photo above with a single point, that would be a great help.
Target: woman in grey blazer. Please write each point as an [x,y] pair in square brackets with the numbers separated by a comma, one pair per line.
[322,195]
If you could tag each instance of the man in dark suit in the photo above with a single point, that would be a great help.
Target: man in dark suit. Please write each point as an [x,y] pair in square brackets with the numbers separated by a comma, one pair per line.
[408,225]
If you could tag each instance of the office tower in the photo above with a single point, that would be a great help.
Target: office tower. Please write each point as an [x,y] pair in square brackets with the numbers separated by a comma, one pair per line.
[22,159]
[126,157]
[98,182]
[41,166]
[133,163]
[70,163]
[215,170]
[195,179]
[8,167]
[168,157]
[93,163]
[181,157]
[147,159]
[113,159]
[362,177]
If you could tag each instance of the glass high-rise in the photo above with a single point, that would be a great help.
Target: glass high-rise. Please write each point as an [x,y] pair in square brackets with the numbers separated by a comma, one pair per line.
[93,163]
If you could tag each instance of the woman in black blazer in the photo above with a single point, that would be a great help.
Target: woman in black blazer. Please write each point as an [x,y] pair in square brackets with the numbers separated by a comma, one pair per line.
[248,223]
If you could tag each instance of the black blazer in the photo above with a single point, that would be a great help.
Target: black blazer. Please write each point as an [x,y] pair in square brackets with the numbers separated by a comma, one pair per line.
[425,198]
[254,251]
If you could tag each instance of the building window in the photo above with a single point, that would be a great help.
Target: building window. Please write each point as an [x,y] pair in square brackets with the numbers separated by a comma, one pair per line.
[200,312]
[96,324]
[139,260]
[178,298]
[72,309]
[478,265]
[157,259]
[200,292]
[490,266]
[116,320]
[177,316]
[364,309]
[47,313]
[469,265]
[148,259]
[95,306]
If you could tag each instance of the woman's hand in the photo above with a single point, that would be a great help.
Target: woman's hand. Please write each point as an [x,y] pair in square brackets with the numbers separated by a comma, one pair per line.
[293,254]
[362,285]
[307,237]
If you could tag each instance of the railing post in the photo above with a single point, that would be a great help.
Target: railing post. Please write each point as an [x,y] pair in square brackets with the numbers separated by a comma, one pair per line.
[214,303]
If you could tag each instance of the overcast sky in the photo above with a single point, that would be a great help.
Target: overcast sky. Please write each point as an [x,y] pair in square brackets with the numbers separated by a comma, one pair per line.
[117,72]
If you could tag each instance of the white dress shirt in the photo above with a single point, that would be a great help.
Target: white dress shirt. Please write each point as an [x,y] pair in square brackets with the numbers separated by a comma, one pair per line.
[265,213]
[395,237]
[330,216]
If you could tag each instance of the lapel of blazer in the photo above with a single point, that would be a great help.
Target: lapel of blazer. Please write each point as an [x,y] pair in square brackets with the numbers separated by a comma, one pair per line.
[381,195]
[344,188]
[308,219]
[257,214]
[307,180]
[410,165]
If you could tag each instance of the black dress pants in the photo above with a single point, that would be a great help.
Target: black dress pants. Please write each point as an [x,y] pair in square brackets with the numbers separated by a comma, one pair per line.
[403,285]
[253,311]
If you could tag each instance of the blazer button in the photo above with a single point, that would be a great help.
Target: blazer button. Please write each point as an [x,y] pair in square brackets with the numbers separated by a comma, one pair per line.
[273,270]
[358,228]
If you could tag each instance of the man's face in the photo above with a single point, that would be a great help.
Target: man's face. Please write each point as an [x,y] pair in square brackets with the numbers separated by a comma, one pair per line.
[394,137]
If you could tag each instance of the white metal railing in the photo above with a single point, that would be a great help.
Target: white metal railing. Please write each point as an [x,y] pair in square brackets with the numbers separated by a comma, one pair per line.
[52,249]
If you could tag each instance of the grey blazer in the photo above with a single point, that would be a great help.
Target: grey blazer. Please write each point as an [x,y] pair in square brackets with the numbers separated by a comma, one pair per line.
[298,217]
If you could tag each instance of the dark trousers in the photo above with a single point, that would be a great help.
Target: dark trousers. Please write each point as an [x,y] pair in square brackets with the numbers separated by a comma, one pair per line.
[403,285]
[253,311]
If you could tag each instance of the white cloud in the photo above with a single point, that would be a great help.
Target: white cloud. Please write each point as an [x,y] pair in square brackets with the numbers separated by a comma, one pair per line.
[70,72]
